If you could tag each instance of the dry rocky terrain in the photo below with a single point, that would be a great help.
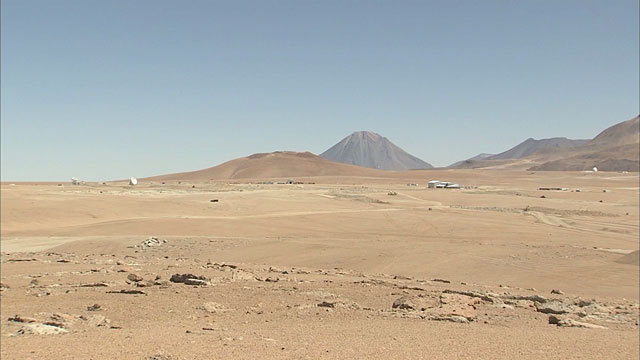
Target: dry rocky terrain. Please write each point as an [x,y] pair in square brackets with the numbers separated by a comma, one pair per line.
[329,268]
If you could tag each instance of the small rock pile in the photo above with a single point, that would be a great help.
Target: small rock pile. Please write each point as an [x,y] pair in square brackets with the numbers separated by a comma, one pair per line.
[57,323]
[151,242]
[573,313]
[448,307]
[139,281]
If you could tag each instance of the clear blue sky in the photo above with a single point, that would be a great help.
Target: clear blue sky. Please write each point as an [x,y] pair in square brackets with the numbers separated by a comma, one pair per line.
[110,89]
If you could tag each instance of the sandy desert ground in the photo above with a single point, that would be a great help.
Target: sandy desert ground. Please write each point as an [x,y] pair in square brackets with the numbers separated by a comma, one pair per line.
[337,269]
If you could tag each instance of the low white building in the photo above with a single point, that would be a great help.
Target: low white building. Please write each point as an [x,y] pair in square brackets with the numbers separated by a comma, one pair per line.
[437,184]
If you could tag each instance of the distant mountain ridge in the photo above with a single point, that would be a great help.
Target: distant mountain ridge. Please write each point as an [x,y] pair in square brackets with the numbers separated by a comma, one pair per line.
[616,148]
[532,145]
[480,156]
[369,149]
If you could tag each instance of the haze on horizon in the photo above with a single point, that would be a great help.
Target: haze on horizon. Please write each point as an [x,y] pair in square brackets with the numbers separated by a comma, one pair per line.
[108,90]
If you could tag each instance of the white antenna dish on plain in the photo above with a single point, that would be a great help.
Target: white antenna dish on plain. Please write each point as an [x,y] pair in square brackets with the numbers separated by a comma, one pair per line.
[133,181]
[595,169]
[75,181]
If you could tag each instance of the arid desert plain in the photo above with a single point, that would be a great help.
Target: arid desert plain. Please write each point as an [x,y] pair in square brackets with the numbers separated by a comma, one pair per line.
[327,268]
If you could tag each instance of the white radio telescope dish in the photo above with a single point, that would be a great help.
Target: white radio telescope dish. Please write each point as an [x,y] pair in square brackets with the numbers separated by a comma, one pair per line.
[133,181]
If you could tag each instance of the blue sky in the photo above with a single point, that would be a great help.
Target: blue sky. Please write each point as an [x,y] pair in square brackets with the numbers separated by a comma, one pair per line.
[110,89]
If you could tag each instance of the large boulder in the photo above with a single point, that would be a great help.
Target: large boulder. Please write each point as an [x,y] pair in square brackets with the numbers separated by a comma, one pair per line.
[553,307]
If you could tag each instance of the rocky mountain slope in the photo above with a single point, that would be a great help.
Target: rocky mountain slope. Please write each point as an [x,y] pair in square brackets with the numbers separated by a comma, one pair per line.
[531,146]
[480,156]
[617,148]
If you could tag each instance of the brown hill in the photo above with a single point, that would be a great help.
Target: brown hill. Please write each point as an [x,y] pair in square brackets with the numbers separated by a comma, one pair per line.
[279,164]
[626,132]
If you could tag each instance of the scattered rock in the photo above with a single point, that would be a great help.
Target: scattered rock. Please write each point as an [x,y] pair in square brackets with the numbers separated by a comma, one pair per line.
[151,242]
[94,307]
[189,279]
[327,304]
[213,200]
[127,291]
[196,282]
[41,329]
[534,298]
[212,307]
[456,305]
[223,266]
[276,270]
[147,283]
[96,320]
[59,319]
[160,356]
[403,303]
[20,319]
[401,277]
[134,277]
[554,319]
[19,260]
[451,318]
[566,322]
[492,298]
[162,283]
[405,287]
[557,292]
[96,284]
[441,280]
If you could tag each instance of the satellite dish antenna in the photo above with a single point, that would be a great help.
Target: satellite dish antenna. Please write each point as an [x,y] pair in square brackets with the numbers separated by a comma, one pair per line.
[133,181]
[75,181]
[595,169]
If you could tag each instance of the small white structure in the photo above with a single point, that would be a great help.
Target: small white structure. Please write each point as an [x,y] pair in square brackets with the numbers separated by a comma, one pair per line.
[436,184]
[595,169]
[133,181]
[75,181]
